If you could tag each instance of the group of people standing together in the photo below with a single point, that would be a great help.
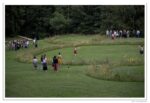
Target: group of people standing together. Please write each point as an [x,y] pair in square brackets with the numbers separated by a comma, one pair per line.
[122,33]
[18,44]
[56,62]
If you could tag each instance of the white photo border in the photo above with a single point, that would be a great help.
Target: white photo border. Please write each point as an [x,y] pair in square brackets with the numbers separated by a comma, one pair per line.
[67,2]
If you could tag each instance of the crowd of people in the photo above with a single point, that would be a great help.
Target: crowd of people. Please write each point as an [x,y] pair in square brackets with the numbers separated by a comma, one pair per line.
[56,62]
[18,44]
[123,33]
[126,34]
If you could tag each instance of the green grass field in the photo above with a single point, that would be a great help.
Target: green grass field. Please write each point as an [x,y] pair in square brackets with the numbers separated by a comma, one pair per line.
[75,77]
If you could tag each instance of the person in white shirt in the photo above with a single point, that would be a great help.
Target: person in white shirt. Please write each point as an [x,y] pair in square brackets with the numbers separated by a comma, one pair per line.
[35,62]
[138,33]
[107,33]
[141,49]
[44,63]
[27,42]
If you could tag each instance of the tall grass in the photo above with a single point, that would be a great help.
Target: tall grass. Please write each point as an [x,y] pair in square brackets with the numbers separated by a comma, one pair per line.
[106,72]
[131,61]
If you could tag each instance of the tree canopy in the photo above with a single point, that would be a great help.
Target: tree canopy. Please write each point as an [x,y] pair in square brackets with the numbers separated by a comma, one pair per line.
[49,20]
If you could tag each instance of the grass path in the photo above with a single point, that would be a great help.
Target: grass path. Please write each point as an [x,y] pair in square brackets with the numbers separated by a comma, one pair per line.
[71,82]
[23,81]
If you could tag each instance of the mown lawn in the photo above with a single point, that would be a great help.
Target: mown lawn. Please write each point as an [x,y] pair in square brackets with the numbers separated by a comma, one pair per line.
[99,53]
[71,80]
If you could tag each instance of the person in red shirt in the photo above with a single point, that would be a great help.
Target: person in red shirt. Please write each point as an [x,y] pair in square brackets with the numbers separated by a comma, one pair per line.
[75,51]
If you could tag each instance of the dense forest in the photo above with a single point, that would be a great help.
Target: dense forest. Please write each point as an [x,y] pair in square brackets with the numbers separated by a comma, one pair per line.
[30,20]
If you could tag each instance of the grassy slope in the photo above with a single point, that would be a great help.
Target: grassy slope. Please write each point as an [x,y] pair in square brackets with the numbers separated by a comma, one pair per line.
[111,52]
[23,81]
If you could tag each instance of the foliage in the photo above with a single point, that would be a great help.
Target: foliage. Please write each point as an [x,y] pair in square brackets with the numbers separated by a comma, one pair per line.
[88,19]
[59,23]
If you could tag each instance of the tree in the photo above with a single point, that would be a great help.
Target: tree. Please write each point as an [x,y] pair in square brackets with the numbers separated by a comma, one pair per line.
[88,19]
[58,23]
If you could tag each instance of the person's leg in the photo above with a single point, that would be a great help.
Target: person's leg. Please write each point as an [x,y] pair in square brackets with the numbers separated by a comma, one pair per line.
[35,67]
[54,67]
[46,68]
[43,66]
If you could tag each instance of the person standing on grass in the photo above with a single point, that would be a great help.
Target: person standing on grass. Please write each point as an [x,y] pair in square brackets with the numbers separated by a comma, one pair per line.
[138,33]
[128,33]
[27,42]
[75,51]
[59,57]
[110,33]
[107,33]
[55,63]
[34,41]
[120,33]
[35,62]
[36,44]
[44,63]
[113,36]
[124,34]
[117,34]
[13,45]
[141,49]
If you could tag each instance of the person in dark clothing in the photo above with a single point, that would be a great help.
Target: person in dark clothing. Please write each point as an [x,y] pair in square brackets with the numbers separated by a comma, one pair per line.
[42,61]
[42,58]
[15,45]
[55,63]
[36,45]
[124,34]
